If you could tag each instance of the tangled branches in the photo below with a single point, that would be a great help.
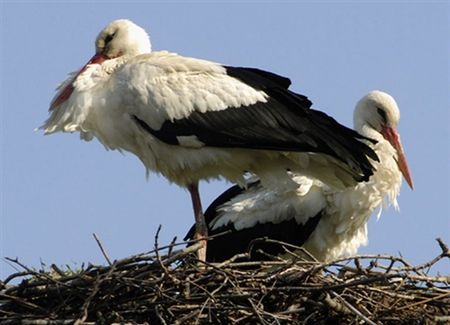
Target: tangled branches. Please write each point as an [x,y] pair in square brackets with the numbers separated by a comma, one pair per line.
[174,288]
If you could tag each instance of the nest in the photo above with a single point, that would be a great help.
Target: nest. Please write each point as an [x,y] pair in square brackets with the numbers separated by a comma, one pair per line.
[170,286]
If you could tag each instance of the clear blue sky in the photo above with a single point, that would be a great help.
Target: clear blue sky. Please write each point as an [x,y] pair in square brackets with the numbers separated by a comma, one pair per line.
[57,190]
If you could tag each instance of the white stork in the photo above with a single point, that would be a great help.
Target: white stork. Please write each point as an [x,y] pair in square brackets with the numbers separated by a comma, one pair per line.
[327,222]
[191,119]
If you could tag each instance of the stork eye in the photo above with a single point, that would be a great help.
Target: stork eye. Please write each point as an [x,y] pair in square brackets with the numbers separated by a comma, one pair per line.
[382,113]
[109,38]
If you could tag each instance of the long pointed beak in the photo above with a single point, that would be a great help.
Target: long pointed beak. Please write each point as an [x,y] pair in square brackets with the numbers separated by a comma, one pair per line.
[393,137]
[65,93]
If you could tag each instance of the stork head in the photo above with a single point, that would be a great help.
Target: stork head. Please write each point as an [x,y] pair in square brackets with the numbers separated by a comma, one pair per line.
[120,38]
[379,111]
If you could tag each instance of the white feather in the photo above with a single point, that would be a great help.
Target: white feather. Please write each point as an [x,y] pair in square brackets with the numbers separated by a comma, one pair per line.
[162,86]
[343,226]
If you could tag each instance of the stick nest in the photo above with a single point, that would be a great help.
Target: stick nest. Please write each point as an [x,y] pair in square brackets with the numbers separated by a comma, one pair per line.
[169,286]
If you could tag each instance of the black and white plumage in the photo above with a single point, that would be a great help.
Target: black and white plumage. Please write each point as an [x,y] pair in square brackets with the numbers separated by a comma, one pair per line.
[191,119]
[329,223]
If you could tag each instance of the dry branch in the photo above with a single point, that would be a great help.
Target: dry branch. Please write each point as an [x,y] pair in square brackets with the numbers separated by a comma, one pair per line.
[174,288]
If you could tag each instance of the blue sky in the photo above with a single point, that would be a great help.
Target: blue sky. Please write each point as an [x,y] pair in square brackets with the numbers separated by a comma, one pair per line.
[55,191]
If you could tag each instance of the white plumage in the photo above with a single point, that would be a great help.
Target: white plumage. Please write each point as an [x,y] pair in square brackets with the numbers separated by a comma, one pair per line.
[192,119]
[342,214]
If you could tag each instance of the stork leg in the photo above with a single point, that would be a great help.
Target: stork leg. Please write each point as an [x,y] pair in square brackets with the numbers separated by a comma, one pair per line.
[201,230]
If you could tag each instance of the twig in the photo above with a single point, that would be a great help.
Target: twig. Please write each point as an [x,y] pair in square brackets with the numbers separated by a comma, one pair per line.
[336,305]
[442,319]
[171,246]
[183,253]
[32,272]
[16,275]
[23,302]
[444,247]
[158,314]
[256,312]
[167,286]
[51,322]
[447,294]
[158,257]
[102,249]
[84,309]
[353,309]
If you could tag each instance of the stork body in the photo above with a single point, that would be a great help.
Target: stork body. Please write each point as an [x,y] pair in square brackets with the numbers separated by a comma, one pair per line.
[191,119]
[327,222]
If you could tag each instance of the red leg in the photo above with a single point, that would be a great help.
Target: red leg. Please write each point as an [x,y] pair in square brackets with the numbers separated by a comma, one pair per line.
[201,229]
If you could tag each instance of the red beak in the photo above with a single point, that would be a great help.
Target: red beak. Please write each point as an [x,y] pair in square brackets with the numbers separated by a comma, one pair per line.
[392,136]
[65,93]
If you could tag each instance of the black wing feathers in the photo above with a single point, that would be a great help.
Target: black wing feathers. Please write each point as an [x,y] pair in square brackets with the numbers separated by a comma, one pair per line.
[285,122]
[258,79]
[230,242]
[227,241]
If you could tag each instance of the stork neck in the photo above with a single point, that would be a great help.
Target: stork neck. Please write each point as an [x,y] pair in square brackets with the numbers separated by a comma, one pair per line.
[368,131]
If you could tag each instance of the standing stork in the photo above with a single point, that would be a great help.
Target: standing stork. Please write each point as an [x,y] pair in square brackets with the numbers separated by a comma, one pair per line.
[327,222]
[191,119]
